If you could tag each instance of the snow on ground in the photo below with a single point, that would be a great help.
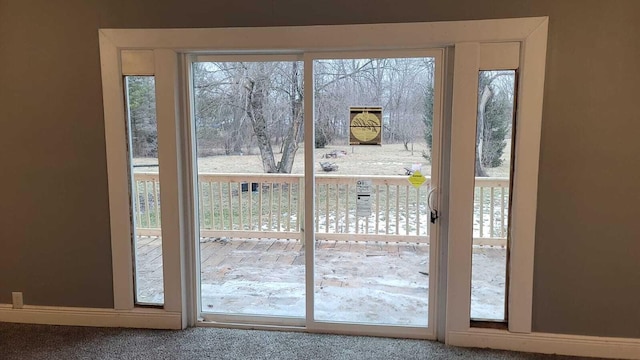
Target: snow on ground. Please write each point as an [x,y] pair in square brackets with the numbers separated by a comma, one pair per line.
[375,285]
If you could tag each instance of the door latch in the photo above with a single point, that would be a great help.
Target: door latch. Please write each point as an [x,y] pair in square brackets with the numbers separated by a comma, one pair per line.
[434,216]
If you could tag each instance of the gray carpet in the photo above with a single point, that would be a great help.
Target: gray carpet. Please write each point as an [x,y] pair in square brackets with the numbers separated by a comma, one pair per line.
[20,341]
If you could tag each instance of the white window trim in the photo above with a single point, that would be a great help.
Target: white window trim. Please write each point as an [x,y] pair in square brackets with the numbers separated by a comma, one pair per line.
[470,58]
[467,36]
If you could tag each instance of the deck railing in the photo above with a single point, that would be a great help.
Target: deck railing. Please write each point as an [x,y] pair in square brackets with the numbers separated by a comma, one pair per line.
[271,205]
[491,211]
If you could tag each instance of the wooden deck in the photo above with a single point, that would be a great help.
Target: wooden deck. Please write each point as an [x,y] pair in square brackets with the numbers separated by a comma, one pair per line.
[365,281]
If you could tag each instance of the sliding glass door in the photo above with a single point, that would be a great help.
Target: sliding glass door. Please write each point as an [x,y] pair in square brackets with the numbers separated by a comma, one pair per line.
[373,123]
[370,144]
[248,120]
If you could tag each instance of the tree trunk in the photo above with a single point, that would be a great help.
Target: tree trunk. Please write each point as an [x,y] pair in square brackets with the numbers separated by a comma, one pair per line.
[482,104]
[255,110]
[290,142]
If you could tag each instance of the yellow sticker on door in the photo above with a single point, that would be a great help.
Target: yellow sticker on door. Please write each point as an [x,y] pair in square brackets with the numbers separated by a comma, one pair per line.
[417,179]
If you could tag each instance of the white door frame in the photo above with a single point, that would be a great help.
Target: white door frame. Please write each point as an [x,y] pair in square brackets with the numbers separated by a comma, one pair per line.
[468,37]
[309,323]
[470,58]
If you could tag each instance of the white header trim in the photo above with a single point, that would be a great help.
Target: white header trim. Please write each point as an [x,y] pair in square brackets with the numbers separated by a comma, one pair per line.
[327,37]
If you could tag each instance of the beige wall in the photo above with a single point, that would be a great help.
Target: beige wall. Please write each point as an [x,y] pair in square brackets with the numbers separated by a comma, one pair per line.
[54,228]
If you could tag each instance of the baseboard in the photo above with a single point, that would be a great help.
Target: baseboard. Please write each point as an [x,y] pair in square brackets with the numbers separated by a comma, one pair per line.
[575,345]
[587,346]
[53,315]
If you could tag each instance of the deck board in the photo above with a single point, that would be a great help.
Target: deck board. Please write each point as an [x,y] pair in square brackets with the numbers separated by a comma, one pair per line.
[369,281]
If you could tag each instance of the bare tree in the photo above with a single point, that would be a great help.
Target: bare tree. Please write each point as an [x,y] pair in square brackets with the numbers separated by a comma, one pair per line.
[408,81]
[257,93]
[486,96]
[260,103]
[232,94]
[398,85]
[219,115]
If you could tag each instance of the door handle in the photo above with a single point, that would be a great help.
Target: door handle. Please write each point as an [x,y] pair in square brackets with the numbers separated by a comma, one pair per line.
[433,213]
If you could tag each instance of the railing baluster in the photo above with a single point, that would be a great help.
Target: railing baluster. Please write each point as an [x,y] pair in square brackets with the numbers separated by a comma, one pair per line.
[502,227]
[289,190]
[137,204]
[230,202]
[481,211]
[397,209]
[491,213]
[155,197]
[240,210]
[146,203]
[406,209]
[346,214]
[355,212]
[505,218]
[270,227]
[387,213]
[221,204]
[317,209]
[279,206]
[366,225]
[300,209]
[377,209]
[337,206]
[418,212]
[260,210]
[211,204]
[326,206]
[250,207]
[357,219]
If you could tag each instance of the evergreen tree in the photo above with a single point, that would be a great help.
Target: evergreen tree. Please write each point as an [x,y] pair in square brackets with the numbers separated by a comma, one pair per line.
[498,117]
[495,114]
[142,116]
[428,122]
